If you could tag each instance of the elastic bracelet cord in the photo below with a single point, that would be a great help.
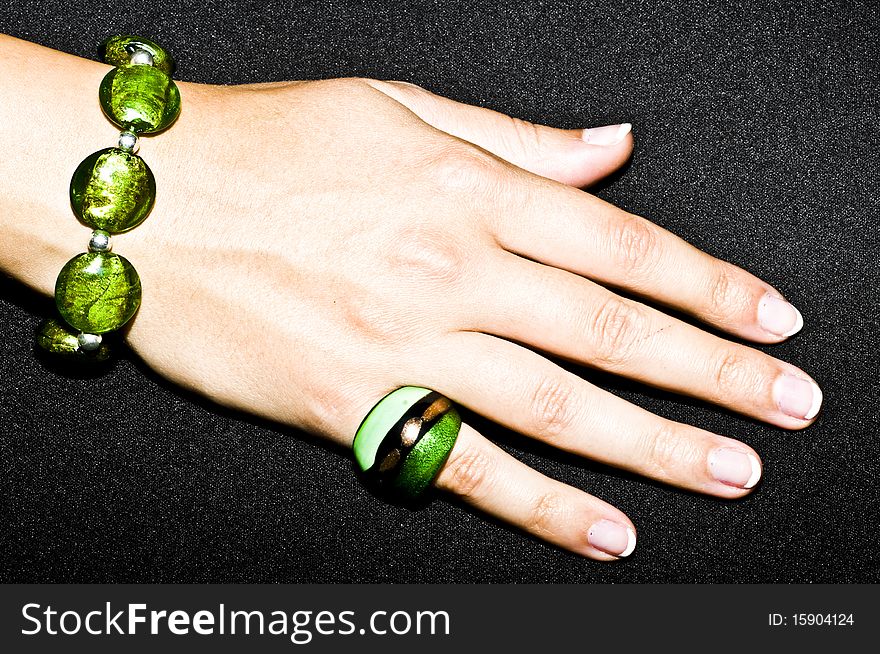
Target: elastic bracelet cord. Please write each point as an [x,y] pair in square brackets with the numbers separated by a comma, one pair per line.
[112,191]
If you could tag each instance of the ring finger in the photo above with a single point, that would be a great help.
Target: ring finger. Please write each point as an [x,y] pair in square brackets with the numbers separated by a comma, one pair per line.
[526,392]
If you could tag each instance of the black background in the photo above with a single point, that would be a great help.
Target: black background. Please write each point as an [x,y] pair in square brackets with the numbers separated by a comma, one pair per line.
[756,140]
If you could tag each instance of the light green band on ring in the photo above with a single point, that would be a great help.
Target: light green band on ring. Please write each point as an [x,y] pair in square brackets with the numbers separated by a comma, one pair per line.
[380,419]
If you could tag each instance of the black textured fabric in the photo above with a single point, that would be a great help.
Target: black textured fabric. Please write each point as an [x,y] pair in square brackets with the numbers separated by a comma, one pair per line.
[756,140]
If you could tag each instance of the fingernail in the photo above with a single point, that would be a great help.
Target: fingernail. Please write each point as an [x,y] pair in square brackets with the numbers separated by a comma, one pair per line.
[796,397]
[608,135]
[734,467]
[778,316]
[612,538]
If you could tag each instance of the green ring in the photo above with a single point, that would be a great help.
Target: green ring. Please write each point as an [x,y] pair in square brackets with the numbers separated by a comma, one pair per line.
[419,464]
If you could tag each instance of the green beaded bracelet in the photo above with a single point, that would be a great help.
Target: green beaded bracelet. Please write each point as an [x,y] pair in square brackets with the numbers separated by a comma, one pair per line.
[112,191]
[405,440]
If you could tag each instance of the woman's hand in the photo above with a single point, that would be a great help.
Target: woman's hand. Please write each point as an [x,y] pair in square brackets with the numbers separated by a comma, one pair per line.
[315,245]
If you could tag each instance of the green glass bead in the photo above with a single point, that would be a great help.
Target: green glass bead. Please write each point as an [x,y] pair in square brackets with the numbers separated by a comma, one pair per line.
[112,190]
[59,339]
[98,292]
[117,51]
[142,99]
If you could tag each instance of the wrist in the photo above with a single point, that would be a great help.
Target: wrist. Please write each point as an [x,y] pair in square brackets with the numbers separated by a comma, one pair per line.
[49,110]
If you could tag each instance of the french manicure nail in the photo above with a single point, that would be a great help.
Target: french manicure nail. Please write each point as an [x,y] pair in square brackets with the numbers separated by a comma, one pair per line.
[779,317]
[608,135]
[612,538]
[797,397]
[734,467]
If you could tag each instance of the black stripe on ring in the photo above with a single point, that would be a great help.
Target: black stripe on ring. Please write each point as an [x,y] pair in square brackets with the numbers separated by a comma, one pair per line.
[394,440]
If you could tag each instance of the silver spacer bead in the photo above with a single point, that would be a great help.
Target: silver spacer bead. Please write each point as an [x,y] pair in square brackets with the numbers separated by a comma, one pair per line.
[89,342]
[141,58]
[128,141]
[100,241]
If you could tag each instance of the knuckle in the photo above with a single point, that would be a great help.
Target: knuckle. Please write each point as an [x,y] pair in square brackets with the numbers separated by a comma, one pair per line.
[553,408]
[346,86]
[413,90]
[398,89]
[614,327]
[354,84]
[727,297]
[667,452]
[406,85]
[546,513]
[734,373]
[635,242]
[469,474]
[462,169]
[427,253]
[523,138]
[369,318]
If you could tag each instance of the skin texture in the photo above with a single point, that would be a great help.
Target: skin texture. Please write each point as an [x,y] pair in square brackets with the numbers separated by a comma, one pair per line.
[343,238]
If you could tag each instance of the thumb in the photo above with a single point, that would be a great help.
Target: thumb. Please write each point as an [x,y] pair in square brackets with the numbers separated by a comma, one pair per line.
[578,157]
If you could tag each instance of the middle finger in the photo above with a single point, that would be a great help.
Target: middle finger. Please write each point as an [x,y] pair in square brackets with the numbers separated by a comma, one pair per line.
[575,318]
